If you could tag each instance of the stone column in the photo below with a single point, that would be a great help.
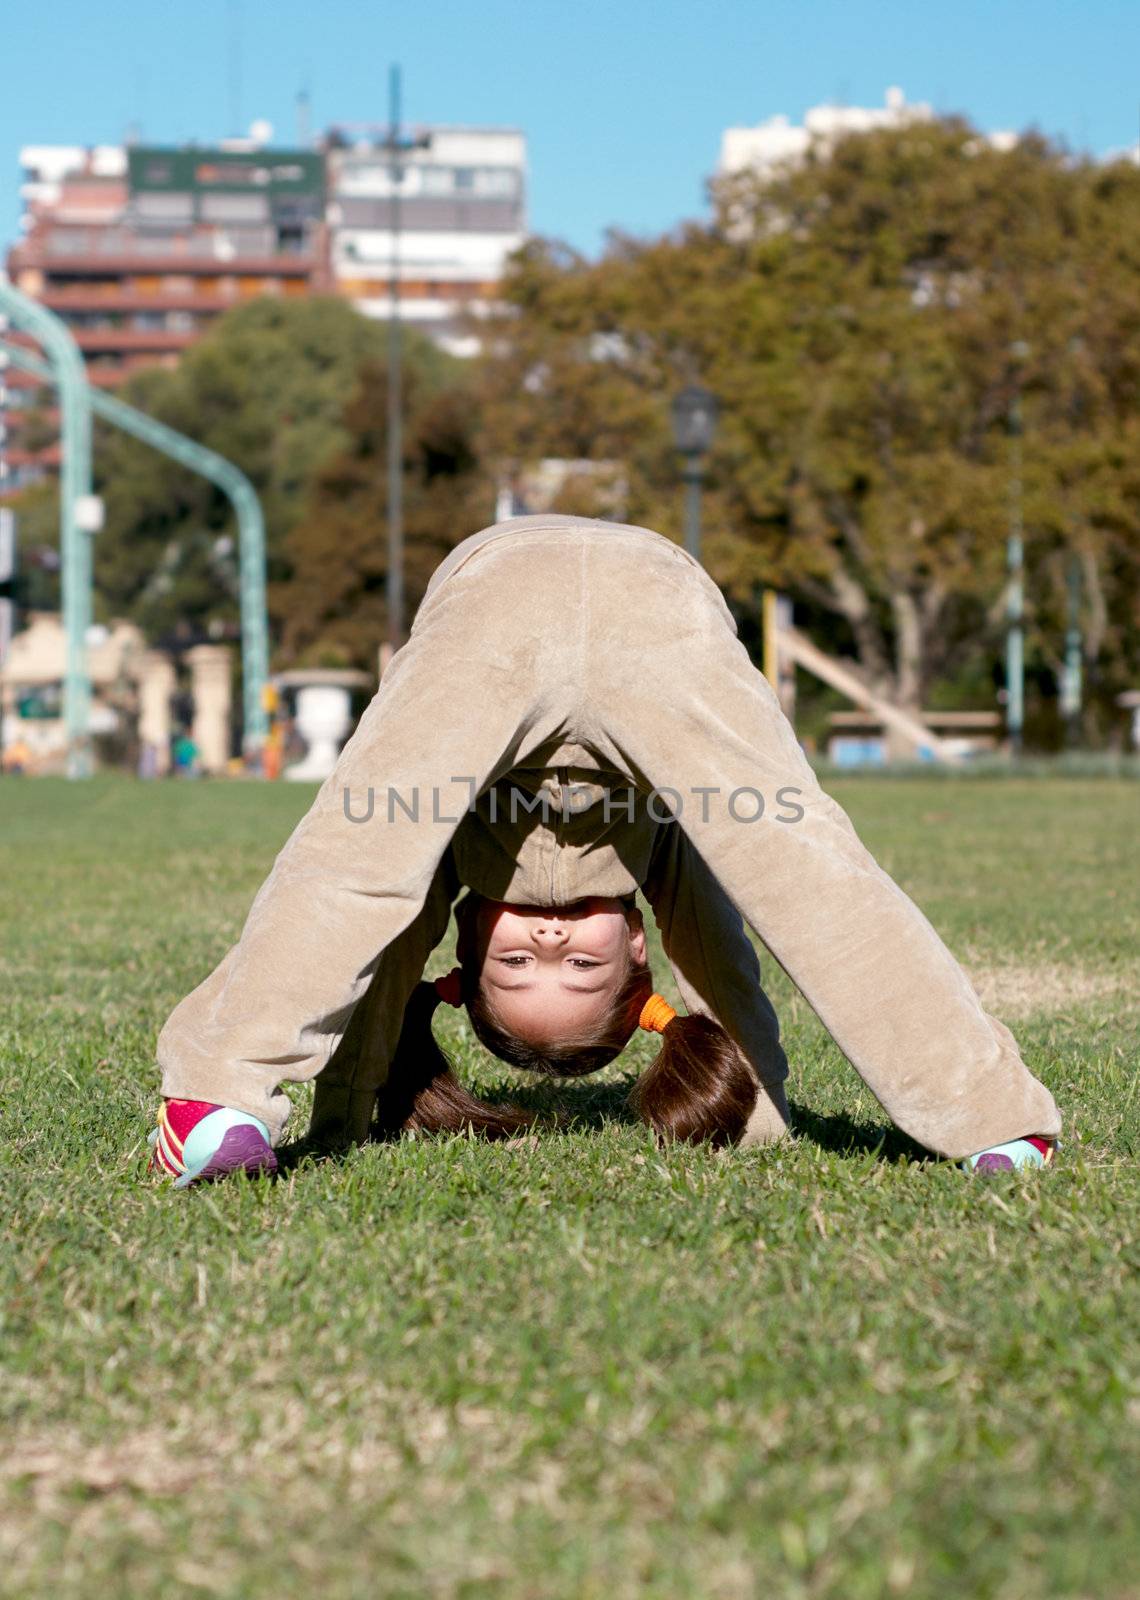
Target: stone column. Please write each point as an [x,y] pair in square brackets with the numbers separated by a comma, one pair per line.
[156,681]
[212,688]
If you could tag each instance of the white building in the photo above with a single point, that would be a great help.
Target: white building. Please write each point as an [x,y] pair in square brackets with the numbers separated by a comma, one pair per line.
[461,213]
[778,142]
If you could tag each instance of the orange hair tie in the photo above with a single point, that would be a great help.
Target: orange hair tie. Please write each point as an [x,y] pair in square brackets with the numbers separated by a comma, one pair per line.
[656,1014]
[449,988]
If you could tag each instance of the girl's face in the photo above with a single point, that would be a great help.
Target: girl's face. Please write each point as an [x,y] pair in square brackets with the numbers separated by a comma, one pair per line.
[554,972]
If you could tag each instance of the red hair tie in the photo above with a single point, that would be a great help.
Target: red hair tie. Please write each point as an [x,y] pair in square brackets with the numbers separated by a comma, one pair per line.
[449,988]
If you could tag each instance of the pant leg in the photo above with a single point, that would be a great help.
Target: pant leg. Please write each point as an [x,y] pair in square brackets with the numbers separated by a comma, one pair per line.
[344,1100]
[484,680]
[676,702]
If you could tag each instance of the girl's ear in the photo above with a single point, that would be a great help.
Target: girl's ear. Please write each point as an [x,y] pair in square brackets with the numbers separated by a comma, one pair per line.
[636,936]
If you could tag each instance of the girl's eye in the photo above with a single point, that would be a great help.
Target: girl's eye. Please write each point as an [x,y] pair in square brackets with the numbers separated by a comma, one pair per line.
[514,961]
[582,965]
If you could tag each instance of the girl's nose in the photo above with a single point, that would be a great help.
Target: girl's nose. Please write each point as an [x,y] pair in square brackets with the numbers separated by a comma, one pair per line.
[551,932]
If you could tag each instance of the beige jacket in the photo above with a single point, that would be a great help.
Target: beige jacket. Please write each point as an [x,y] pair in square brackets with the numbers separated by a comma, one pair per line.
[571,659]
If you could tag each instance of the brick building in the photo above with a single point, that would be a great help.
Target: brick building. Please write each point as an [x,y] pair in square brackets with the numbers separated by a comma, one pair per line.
[140,249]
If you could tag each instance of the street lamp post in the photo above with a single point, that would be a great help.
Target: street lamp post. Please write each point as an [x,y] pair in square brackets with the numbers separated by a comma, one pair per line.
[1015,561]
[694,423]
[396,144]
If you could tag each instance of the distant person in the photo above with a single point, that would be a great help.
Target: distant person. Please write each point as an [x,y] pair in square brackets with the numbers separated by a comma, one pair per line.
[185,757]
[573,719]
[17,757]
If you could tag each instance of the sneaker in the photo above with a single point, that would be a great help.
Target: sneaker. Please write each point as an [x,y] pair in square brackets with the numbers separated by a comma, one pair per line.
[1011,1157]
[196,1142]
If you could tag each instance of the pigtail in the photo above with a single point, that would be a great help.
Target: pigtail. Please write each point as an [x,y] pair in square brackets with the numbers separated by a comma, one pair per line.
[699,1087]
[422,1092]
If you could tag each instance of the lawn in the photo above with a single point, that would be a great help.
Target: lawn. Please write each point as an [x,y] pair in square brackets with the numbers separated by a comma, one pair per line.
[582,1367]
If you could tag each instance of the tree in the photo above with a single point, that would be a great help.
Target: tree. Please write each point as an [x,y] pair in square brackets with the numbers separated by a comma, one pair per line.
[333,607]
[859,319]
[267,388]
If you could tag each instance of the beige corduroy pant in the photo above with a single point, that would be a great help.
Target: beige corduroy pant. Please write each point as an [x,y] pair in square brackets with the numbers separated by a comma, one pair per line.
[553,635]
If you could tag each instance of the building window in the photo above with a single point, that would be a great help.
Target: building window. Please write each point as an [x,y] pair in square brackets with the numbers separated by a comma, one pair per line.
[438,180]
[498,183]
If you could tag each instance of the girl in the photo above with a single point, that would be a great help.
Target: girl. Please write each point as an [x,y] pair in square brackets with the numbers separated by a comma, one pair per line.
[573,718]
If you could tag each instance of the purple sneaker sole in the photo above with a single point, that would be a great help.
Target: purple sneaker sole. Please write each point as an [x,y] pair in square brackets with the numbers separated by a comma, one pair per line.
[992,1162]
[242,1150]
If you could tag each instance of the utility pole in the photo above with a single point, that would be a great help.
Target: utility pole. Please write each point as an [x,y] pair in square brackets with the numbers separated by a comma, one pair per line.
[1071,684]
[397,145]
[1015,560]
[1072,675]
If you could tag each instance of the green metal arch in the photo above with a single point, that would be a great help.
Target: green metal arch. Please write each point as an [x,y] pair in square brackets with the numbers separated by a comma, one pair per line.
[76,396]
[65,368]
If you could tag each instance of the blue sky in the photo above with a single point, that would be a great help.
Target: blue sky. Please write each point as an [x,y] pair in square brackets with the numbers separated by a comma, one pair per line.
[623,102]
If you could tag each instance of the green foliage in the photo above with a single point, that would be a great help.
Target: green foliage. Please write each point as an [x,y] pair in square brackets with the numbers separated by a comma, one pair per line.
[333,608]
[267,389]
[858,318]
[582,1369]
[861,319]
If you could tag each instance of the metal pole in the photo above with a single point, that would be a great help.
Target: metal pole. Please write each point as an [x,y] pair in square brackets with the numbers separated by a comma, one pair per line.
[1015,603]
[66,365]
[1071,685]
[395,584]
[693,475]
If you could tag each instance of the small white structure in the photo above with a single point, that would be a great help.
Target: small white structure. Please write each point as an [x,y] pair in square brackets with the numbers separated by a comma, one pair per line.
[323,716]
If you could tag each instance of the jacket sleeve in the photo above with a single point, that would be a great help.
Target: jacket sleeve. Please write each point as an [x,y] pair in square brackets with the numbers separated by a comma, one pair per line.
[716,968]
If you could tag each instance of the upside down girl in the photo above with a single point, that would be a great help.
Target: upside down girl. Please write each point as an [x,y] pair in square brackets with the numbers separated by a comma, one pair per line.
[573,719]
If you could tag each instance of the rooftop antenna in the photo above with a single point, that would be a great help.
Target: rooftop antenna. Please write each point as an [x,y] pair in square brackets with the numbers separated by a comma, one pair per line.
[304,132]
[135,125]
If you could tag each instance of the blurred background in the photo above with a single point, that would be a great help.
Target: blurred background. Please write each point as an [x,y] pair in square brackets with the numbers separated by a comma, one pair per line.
[847,299]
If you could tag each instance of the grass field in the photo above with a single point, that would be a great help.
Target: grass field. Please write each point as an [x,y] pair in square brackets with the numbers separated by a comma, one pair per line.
[582,1367]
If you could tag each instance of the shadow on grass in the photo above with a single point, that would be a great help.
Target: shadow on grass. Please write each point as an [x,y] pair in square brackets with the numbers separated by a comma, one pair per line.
[560,1108]
[844,1136]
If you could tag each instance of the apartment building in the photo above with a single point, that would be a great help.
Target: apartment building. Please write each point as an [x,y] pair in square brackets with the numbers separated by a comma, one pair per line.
[458,201]
[139,249]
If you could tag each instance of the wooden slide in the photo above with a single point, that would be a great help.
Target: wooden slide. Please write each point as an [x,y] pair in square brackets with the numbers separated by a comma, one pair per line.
[796,646]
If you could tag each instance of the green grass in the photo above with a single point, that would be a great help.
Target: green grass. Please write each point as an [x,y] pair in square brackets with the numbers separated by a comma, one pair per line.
[583,1368]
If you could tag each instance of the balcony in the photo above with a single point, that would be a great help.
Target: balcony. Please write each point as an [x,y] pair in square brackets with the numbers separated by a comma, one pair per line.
[111,251]
[96,341]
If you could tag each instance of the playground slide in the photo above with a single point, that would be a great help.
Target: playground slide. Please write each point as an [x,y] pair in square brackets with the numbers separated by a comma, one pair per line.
[800,649]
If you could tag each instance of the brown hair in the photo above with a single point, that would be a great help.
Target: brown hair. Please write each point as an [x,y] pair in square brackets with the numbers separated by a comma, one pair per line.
[697,1088]
[423,1093]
